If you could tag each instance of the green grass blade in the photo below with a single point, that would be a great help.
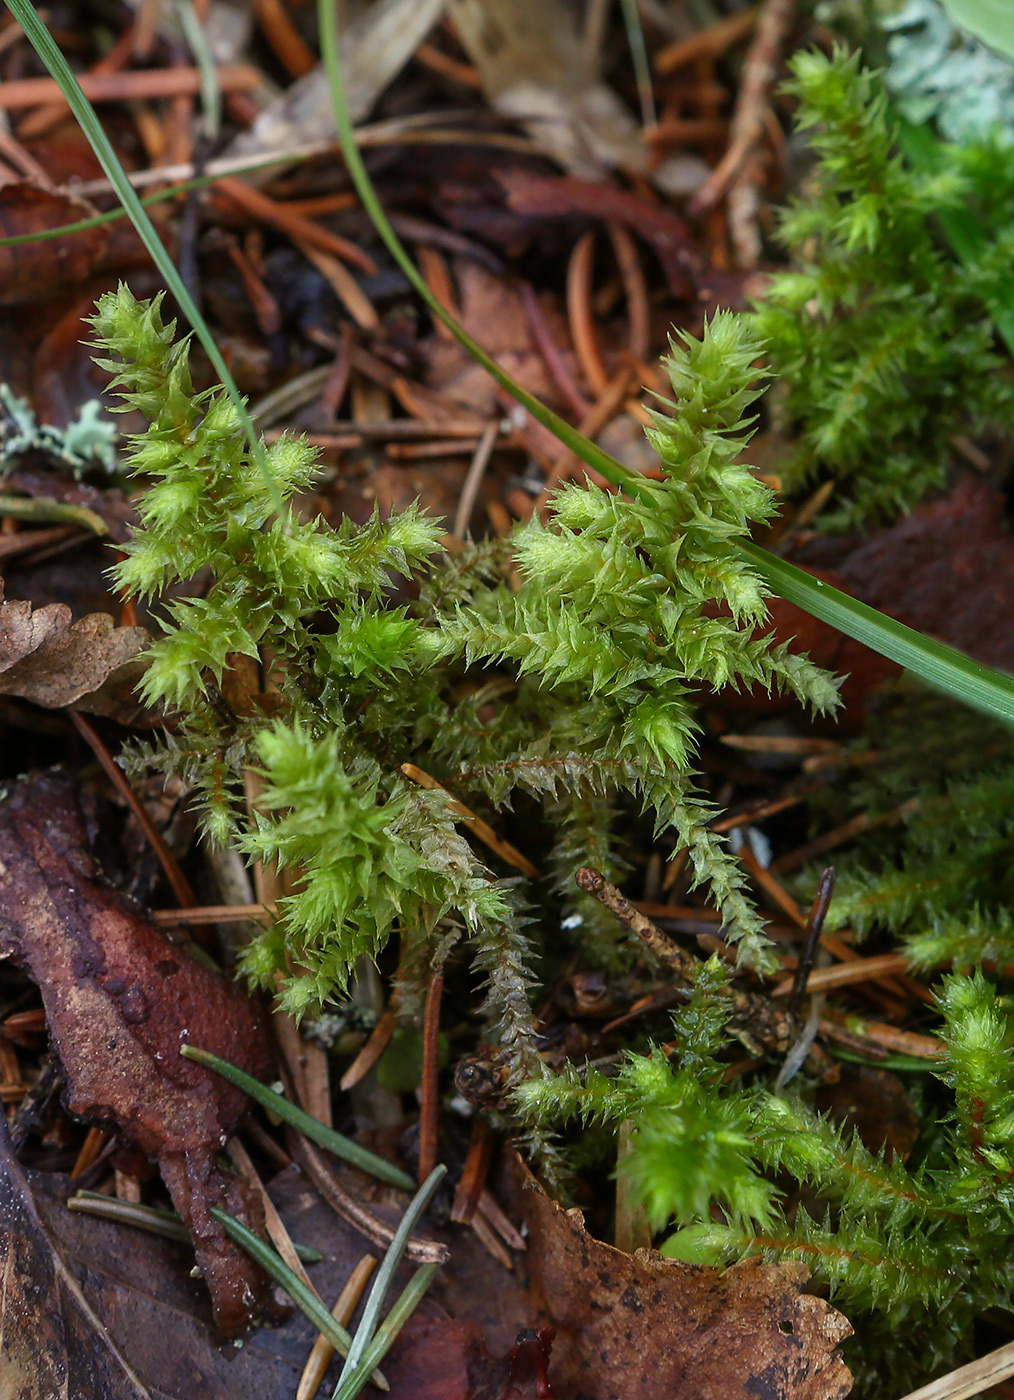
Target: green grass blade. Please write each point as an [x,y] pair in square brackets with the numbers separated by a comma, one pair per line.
[944,668]
[197,42]
[385,1274]
[305,1122]
[45,46]
[387,1333]
[304,1298]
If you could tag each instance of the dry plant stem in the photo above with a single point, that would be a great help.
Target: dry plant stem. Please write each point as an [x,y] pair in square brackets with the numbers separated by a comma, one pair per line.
[125,87]
[211,914]
[707,43]
[433,266]
[261,1138]
[988,1371]
[277,1232]
[179,882]
[346,1205]
[814,927]
[95,1141]
[473,480]
[759,1022]
[380,1039]
[547,347]
[631,1231]
[334,391]
[758,813]
[580,314]
[322,1351]
[477,827]
[750,116]
[835,945]
[439,62]
[473,1173]
[429,1108]
[269,211]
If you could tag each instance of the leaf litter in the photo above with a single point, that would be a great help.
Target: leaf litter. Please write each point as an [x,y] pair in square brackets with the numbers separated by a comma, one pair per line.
[575,1316]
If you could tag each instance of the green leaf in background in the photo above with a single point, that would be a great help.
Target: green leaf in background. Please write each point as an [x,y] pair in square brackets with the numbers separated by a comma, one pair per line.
[992,21]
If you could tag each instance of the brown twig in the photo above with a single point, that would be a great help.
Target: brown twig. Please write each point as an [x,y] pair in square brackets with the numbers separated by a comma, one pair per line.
[846,832]
[473,480]
[345,286]
[707,43]
[477,827]
[429,1107]
[433,266]
[294,226]
[580,315]
[288,45]
[179,882]
[758,1022]
[274,1225]
[379,1040]
[750,115]
[126,87]
[211,914]
[635,287]
[848,974]
[814,928]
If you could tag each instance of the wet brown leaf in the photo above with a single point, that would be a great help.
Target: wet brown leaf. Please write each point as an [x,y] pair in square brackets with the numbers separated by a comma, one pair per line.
[46,658]
[143,1303]
[640,1327]
[52,1344]
[120,999]
[32,270]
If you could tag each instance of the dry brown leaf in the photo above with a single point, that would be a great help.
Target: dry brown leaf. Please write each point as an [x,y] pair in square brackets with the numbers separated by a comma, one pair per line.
[47,658]
[120,1000]
[640,1327]
[32,270]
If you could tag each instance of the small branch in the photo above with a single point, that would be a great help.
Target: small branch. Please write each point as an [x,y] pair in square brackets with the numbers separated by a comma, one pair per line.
[750,116]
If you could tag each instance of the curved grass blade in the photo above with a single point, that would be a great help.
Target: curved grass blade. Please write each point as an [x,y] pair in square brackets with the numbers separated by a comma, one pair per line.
[45,46]
[941,666]
[305,1122]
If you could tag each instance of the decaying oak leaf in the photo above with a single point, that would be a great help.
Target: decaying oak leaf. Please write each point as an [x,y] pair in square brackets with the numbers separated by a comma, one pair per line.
[640,1327]
[120,999]
[47,658]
